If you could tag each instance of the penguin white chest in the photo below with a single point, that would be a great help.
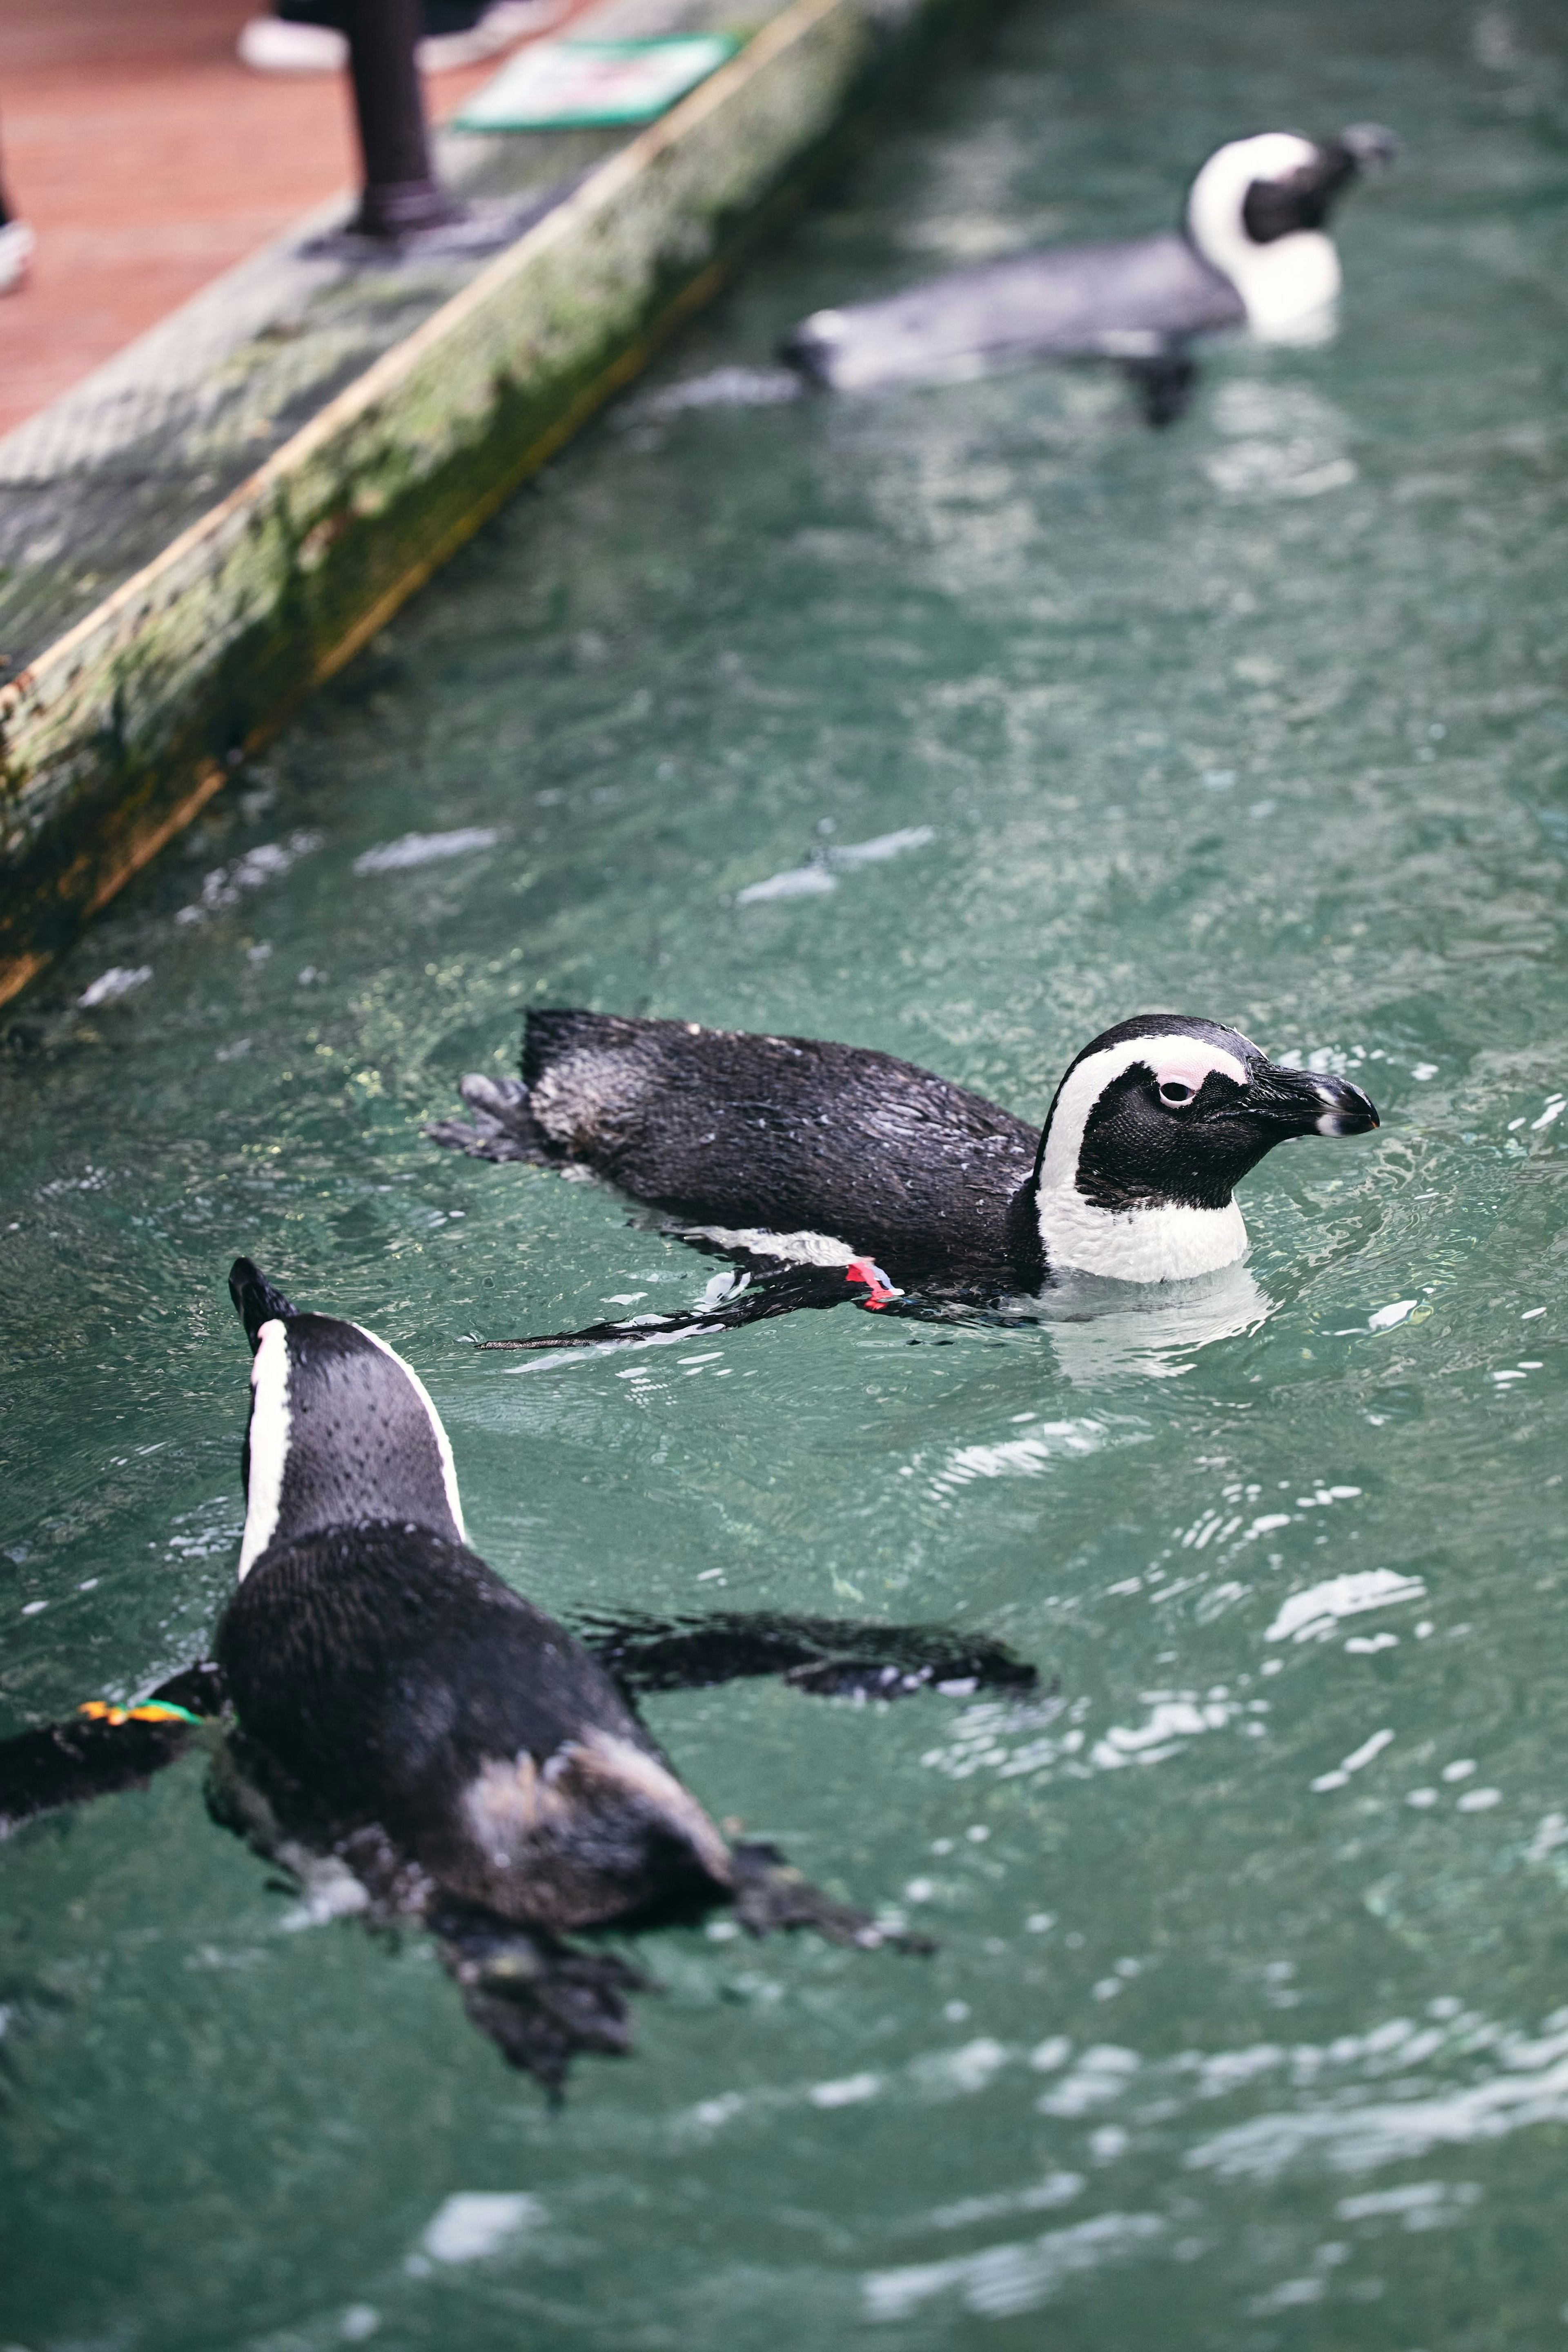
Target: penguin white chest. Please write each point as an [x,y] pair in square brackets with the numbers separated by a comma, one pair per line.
[1170,1243]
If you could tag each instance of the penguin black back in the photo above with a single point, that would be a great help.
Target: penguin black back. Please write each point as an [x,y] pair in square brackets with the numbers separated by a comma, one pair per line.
[747,1138]
[397,1680]
[395,1716]
[388,1661]
[400,1683]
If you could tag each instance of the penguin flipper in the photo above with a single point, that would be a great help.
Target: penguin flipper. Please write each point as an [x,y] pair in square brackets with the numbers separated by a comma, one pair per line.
[831,1657]
[70,1763]
[502,1127]
[783,1291]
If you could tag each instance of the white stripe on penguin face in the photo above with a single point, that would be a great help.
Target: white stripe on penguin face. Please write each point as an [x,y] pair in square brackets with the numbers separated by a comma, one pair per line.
[1164,1244]
[268,1442]
[443,1443]
[1178,1054]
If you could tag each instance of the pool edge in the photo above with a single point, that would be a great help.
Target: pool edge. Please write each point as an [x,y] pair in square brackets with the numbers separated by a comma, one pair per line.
[119,732]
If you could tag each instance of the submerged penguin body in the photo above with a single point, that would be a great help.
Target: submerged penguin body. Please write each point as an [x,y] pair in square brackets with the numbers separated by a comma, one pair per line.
[1253,252]
[1126,301]
[751,1140]
[791,1151]
[389,1721]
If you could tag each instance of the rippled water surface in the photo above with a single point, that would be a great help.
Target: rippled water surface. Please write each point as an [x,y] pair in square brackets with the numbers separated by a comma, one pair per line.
[1249,2026]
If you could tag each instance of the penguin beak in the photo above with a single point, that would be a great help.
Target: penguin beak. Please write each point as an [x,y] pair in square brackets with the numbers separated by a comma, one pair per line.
[256,1300]
[1309,1102]
[1371,146]
[1275,208]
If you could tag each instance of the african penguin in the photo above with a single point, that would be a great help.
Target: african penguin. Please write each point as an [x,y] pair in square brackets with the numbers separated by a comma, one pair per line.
[471,1762]
[790,1152]
[1253,252]
[412,1738]
[396,1677]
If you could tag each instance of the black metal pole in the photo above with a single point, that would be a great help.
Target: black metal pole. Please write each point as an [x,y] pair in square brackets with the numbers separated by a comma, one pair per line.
[401,193]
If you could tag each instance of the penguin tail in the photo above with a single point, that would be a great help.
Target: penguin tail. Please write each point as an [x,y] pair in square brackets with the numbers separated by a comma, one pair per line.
[502,1126]
[542,2001]
[772,1897]
[256,1300]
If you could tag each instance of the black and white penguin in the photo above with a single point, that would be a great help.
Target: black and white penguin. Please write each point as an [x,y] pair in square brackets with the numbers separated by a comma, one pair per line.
[787,1151]
[406,1733]
[399,1682]
[1253,252]
[402,1689]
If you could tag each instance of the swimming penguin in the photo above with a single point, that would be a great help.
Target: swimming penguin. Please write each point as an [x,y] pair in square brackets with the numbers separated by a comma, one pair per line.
[1253,252]
[415,1730]
[867,1177]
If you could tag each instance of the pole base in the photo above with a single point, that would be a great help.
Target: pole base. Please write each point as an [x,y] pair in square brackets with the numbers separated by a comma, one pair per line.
[471,231]
[400,208]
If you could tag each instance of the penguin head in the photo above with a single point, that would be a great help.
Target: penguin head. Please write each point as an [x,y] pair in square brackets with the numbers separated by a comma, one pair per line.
[1258,212]
[341,1434]
[1152,1128]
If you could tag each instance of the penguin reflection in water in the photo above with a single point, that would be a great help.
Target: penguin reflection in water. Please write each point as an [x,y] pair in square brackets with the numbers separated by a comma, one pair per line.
[416,1740]
[832,1175]
[1254,252]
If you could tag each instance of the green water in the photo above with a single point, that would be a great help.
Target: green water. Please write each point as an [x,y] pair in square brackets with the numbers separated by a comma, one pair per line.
[1264,719]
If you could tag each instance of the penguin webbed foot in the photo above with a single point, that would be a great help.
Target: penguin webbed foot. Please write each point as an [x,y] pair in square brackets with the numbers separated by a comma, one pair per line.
[502,1126]
[828,1657]
[542,2001]
[1164,383]
[772,1898]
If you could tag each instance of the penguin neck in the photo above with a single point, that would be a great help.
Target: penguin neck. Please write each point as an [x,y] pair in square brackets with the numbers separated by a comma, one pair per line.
[1289,287]
[1157,1241]
[342,1433]
[1168,1240]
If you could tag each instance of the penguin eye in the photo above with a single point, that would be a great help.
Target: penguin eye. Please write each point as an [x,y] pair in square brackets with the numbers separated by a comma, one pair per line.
[1175,1093]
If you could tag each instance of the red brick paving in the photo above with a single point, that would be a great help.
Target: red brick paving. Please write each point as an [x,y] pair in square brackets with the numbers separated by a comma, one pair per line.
[147,160]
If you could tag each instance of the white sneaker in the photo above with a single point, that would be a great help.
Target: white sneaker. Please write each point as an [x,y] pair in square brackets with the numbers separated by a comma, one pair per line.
[272,44]
[503,25]
[16,247]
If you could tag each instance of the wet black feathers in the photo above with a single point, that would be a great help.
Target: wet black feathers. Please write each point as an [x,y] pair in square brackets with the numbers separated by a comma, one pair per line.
[388,1664]
[1074,301]
[791,1134]
[825,1654]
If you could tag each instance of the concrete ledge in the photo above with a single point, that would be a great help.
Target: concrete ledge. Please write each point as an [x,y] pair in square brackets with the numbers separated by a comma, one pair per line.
[115,734]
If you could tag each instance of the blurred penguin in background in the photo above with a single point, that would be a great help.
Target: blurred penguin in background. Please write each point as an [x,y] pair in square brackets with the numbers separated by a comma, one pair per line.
[1253,252]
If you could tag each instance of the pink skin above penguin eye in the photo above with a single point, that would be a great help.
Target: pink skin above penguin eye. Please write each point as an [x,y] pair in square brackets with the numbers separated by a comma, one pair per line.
[1180,1076]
